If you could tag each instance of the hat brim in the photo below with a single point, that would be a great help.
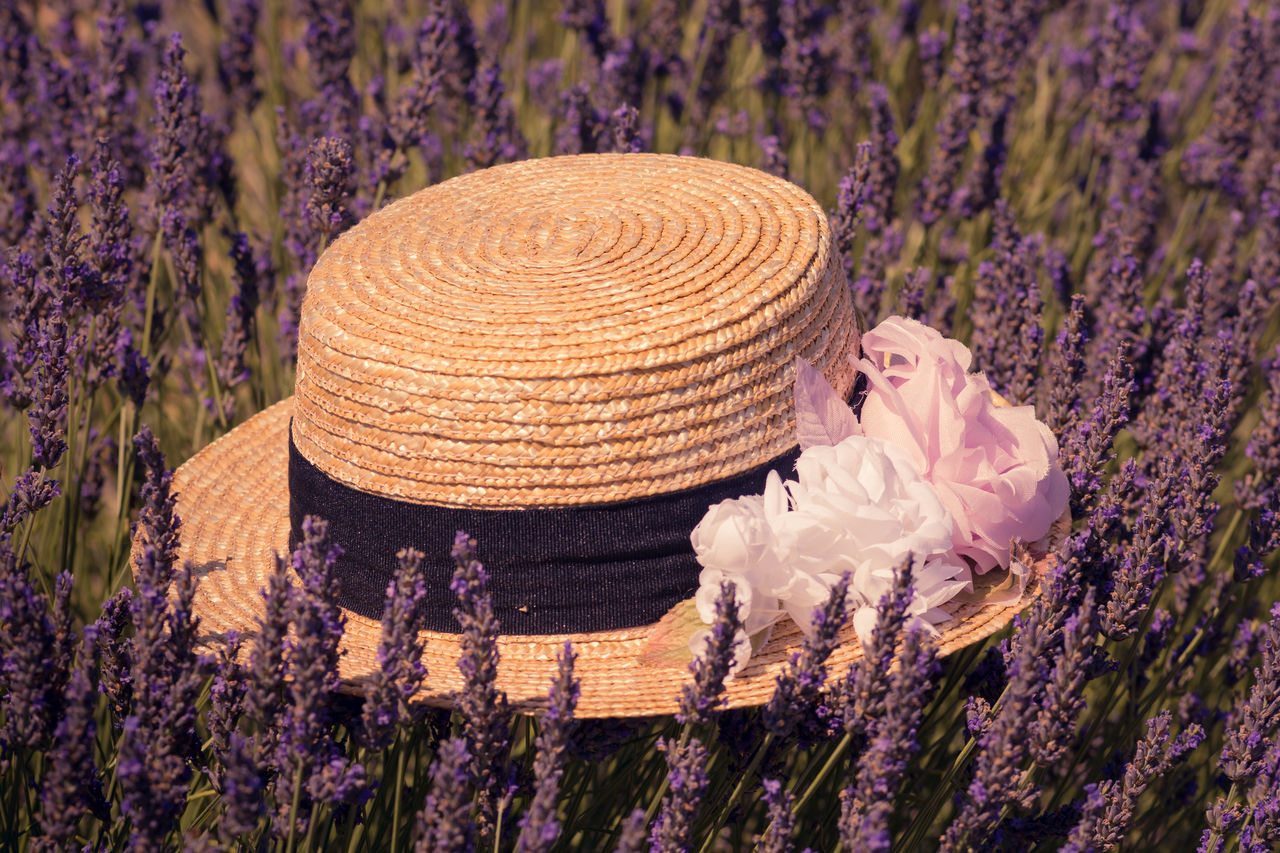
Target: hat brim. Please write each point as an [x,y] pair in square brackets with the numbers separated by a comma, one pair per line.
[233,500]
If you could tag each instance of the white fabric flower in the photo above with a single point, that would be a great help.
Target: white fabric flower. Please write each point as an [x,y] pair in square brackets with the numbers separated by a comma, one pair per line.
[860,507]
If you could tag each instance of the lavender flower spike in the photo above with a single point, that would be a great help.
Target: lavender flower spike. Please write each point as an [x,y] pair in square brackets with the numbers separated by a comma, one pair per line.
[71,786]
[386,704]
[701,699]
[444,823]
[330,175]
[539,828]
[308,751]
[687,782]
[868,803]
[1109,806]
[795,704]
[777,835]
[487,719]
[160,524]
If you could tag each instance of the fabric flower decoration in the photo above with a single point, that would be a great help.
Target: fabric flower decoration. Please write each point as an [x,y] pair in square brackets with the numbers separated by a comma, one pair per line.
[859,507]
[995,468]
[933,469]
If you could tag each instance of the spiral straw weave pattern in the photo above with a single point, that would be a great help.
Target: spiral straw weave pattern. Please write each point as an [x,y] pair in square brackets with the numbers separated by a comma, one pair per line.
[573,330]
[553,332]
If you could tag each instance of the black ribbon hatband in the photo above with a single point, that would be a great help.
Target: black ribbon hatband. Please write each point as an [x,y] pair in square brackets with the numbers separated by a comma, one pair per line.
[601,567]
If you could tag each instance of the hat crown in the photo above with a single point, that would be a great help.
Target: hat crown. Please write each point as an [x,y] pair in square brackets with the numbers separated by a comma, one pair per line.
[569,331]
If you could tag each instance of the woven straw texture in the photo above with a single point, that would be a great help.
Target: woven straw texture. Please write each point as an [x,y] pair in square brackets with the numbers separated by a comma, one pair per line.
[234,504]
[570,330]
[553,332]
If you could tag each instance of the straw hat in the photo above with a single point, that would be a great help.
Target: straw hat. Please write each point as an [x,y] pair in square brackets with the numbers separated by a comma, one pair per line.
[575,354]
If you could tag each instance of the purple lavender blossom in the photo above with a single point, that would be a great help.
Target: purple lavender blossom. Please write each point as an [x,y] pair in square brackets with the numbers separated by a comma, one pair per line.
[1124,49]
[1118,315]
[931,45]
[330,42]
[1052,731]
[113,91]
[416,102]
[805,62]
[330,174]
[882,173]
[999,778]
[912,295]
[580,125]
[71,786]
[662,39]
[967,68]
[539,827]
[622,73]
[773,154]
[935,195]
[1088,445]
[1252,719]
[235,55]
[264,694]
[35,657]
[157,519]
[226,705]
[444,823]
[159,738]
[251,272]
[845,220]
[111,253]
[686,783]
[1260,830]
[587,18]
[243,788]
[66,281]
[401,671]
[781,821]
[982,184]
[31,493]
[18,348]
[1108,807]
[796,704]
[116,680]
[543,81]
[867,804]
[1202,440]
[850,47]
[1141,564]
[627,136]
[700,700]
[1264,266]
[178,126]
[486,716]
[633,837]
[1061,402]
[865,686]
[181,197]
[308,753]
[495,137]
[1258,491]
[134,369]
[719,25]
[1220,156]
[1007,336]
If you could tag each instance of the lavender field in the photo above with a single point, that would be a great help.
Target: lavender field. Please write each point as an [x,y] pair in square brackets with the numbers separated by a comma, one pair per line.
[1086,193]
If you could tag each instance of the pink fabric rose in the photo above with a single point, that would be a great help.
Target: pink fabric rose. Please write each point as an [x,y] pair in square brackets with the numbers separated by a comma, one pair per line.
[995,468]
